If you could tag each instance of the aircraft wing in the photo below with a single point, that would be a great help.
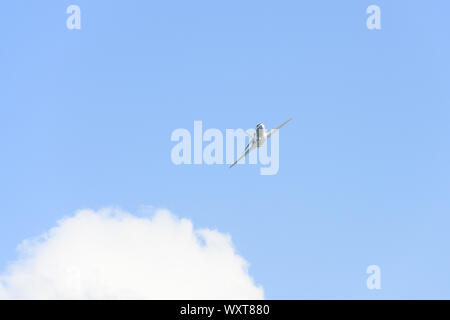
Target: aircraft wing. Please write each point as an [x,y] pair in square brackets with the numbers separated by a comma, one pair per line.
[251,139]
[245,153]
[277,128]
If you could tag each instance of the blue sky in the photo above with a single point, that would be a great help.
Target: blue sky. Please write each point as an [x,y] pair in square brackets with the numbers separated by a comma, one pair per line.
[86,117]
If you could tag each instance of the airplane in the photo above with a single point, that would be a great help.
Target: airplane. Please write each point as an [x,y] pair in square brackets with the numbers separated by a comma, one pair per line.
[258,138]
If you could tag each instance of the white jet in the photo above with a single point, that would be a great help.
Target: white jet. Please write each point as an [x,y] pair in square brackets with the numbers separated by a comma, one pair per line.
[258,138]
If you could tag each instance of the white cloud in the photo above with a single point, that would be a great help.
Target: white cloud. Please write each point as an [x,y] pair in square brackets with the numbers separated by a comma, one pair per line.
[110,254]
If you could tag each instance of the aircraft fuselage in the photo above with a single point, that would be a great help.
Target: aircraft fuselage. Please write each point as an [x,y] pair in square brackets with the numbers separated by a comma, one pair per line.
[261,135]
